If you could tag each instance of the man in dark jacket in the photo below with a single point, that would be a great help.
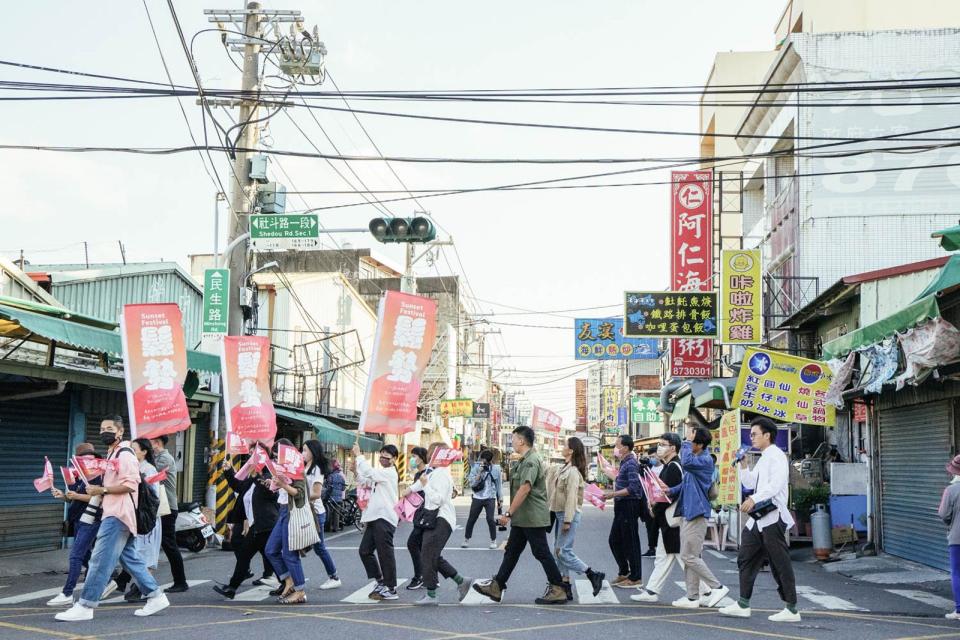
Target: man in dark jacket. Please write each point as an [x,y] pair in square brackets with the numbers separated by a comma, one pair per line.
[627,497]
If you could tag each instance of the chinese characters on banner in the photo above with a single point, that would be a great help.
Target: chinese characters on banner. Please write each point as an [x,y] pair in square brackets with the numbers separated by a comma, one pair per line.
[603,339]
[608,408]
[667,314]
[645,409]
[291,462]
[729,443]
[785,388]
[456,408]
[741,294]
[545,419]
[691,264]
[245,361]
[406,329]
[216,302]
[444,457]
[581,403]
[154,368]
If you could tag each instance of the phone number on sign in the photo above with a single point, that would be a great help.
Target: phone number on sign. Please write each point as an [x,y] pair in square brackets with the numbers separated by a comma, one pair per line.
[692,372]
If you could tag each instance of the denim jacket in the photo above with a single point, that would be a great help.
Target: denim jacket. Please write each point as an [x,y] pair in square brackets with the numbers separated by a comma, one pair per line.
[697,478]
[491,488]
[334,487]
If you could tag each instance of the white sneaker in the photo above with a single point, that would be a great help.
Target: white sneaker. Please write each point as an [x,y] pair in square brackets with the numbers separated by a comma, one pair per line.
[154,605]
[76,613]
[785,616]
[60,600]
[427,601]
[715,596]
[686,603]
[331,583]
[735,611]
[645,596]
[107,590]
[953,615]
[493,545]
[465,544]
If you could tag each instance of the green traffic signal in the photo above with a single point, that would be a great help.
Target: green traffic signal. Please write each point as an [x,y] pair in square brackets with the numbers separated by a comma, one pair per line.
[418,229]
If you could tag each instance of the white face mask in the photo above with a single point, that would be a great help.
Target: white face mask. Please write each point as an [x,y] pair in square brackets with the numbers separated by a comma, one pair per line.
[662,451]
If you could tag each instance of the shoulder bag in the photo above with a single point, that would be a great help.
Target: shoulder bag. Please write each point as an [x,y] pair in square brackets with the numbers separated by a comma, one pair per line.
[673,520]
[426,518]
[302,524]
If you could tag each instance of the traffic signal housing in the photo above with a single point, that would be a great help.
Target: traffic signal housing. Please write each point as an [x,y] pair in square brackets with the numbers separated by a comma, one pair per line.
[417,229]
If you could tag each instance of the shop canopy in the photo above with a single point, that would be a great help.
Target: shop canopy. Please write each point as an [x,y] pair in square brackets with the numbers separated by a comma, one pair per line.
[19,323]
[947,278]
[327,431]
[916,313]
[949,238]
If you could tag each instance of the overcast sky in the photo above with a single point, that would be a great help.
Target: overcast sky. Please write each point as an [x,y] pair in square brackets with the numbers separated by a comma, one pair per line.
[540,250]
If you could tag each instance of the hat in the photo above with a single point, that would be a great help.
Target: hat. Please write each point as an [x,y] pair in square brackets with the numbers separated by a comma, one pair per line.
[84,449]
[954,466]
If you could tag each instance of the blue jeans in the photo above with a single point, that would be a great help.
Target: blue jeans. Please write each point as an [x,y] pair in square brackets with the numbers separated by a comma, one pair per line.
[285,562]
[567,560]
[955,574]
[115,542]
[321,548]
[84,536]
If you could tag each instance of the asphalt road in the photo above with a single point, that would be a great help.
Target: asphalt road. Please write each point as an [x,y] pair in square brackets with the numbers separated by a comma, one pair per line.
[831,604]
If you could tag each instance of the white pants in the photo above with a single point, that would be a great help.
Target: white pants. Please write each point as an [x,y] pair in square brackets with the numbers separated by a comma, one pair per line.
[662,566]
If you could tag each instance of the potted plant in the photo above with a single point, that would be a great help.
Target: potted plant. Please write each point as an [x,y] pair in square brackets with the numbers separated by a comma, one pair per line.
[804,501]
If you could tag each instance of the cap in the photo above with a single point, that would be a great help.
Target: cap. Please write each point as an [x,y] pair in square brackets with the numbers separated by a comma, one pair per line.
[84,448]
[954,466]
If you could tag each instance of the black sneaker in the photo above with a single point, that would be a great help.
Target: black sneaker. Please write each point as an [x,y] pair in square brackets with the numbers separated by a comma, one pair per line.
[416,583]
[177,588]
[389,594]
[134,595]
[596,580]
[650,553]
[225,591]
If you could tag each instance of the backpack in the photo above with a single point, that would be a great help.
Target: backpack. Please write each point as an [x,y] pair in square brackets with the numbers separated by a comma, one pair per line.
[147,505]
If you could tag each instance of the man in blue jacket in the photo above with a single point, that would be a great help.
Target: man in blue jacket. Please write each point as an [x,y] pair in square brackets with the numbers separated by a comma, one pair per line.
[694,507]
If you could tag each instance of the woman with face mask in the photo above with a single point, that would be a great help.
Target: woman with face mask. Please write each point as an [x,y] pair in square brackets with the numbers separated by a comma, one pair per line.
[285,561]
[417,461]
[381,519]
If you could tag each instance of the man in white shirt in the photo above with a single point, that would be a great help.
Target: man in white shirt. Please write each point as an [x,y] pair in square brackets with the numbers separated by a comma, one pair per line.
[381,519]
[765,538]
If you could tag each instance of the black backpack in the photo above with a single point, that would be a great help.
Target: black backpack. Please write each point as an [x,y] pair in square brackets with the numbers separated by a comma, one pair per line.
[147,505]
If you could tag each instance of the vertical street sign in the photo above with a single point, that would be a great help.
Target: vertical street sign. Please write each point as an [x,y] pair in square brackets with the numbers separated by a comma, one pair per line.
[216,302]
[741,292]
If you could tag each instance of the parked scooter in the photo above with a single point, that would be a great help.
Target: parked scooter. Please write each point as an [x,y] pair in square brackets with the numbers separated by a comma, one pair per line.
[193,529]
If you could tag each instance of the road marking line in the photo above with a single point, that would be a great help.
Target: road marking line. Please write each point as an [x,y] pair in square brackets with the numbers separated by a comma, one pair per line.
[606,595]
[33,595]
[360,595]
[47,632]
[119,599]
[716,554]
[725,602]
[255,595]
[827,601]
[930,599]
[474,599]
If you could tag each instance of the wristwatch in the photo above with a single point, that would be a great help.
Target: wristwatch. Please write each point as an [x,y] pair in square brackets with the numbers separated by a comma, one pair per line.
[106,490]
[506,514]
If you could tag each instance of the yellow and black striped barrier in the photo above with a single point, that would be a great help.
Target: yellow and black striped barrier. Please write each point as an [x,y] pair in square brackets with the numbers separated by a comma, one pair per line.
[225,496]
[402,467]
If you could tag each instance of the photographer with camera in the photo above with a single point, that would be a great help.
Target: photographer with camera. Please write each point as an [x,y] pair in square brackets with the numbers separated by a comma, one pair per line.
[485,480]
[764,534]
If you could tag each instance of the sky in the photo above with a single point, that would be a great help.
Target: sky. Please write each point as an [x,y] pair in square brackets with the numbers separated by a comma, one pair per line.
[534,250]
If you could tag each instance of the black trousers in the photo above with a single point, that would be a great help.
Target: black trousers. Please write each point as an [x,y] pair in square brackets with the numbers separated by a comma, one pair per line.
[333,518]
[625,538]
[431,555]
[245,548]
[476,506]
[415,547]
[653,534]
[517,542]
[168,542]
[757,547]
[378,537]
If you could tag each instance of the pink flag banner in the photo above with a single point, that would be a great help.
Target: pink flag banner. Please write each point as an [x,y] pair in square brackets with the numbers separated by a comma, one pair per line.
[594,495]
[69,477]
[652,488]
[444,457]
[235,444]
[245,363]
[545,419]
[44,482]
[291,462]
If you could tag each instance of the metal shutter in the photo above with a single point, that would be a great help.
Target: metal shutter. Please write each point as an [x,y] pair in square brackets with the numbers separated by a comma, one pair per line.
[30,430]
[201,470]
[915,443]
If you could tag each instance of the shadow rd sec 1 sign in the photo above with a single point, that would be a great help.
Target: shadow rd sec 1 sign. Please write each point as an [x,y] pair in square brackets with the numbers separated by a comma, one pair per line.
[281,231]
[670,314]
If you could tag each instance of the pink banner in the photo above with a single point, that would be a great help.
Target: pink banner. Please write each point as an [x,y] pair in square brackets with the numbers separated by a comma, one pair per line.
[290,461]
[406,329]
[546,420]
[154,368]
[245,363]
[652,488]
[68,476]
[235,445]
[444,457]
[44,482]
[594,495]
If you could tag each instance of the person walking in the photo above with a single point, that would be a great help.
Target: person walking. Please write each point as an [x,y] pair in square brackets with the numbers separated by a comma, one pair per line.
[646,511]
[118,528]
[168,541]
[627,494]
[334,490]
[147,545]
[694,508]
[315,464]
[566,503]
[83,522]
[949,512]
[381,520]
[286,561]
[485,480]
[439,519]
[529,519]
[417,461]
[764,537]
[258,505]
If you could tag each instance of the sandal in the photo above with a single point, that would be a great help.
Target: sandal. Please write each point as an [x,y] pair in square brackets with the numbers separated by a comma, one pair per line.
[297,597]
[283,590]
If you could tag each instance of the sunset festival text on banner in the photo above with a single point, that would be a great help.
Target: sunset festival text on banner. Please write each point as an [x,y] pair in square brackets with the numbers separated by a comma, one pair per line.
[406,330]
[154,368]
[245,361]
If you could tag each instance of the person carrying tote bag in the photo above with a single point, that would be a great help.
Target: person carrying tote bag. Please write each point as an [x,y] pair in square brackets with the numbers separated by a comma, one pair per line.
[288,533]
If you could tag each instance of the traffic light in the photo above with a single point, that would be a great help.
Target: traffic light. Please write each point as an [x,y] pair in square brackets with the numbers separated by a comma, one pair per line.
[403,229]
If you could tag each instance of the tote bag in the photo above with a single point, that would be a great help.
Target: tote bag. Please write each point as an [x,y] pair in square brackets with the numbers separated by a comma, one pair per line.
[302,528]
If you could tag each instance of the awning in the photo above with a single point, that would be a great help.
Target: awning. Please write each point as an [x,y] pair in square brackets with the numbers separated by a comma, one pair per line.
[908,317]
[947,278]
[949,238]
[327,431]
[44,329]
[682,408]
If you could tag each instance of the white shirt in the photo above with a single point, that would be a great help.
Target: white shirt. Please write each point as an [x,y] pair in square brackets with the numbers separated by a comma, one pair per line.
[438,494]
[312,478]
[248,505]
[769,479]
[384,496]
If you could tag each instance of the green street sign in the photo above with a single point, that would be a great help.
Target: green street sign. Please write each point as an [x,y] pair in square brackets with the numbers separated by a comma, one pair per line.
[216,302]
[285,231]
[645,409]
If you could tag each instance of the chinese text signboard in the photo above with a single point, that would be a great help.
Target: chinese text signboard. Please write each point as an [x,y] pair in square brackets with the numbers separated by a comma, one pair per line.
[285,231]
[645,410]
[216,302]
[456,408]
[406,330]
[603,339]
[691,262]
[245,363]
[581,404]
[785,388]
[740,297]
[729,443]
[670,314]
[154,368]
[545,419]
[608,408]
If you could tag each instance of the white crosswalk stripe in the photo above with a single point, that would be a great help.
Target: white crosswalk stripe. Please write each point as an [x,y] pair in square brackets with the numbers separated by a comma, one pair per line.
[255,595]
[585,593]
[119,599]
[474,599]
[727,601]
[825,600]
[33,595]
[931,599]
[360,595]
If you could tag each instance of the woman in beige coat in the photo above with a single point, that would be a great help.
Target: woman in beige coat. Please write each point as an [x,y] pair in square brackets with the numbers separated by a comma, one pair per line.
[566,502]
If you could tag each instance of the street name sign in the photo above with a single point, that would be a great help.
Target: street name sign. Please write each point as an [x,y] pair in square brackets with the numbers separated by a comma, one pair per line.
[284,231]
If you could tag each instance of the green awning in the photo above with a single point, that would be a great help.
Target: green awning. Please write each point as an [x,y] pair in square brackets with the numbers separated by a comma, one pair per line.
[947,278]
[949,238]
[44,329]
[908,317]
[57,312]
[327,431]
[682,408]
